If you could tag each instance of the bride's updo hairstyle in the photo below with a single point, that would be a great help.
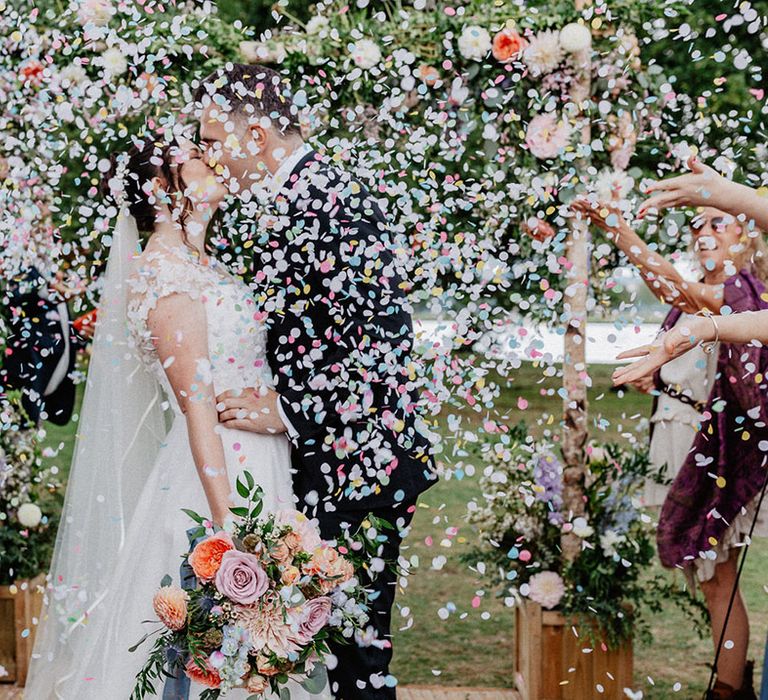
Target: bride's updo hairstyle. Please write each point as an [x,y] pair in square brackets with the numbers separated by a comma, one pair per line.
[128,182]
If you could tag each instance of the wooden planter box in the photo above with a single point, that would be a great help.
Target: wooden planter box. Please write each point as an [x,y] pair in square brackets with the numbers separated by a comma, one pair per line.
[20,606]
[551,663]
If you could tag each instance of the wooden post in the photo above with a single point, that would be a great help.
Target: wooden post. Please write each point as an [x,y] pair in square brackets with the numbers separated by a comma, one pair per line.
[575,432]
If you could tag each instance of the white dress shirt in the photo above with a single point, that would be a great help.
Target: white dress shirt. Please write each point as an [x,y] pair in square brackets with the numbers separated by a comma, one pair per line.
[274,185]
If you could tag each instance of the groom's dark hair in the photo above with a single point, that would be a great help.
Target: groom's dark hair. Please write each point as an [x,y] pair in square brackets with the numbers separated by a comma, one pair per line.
[261,87]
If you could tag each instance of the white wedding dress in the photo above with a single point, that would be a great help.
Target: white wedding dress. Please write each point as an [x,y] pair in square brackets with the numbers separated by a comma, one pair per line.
[90,660]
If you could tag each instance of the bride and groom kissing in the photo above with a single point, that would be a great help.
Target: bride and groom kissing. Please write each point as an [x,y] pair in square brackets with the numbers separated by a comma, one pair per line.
[304,378]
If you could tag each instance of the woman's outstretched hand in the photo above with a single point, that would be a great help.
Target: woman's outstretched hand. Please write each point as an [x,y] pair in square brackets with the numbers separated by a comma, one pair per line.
[668,346]
[606,217]
[702,187]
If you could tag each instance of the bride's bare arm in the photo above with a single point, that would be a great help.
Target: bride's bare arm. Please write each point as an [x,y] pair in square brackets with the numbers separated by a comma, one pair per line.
[178,327]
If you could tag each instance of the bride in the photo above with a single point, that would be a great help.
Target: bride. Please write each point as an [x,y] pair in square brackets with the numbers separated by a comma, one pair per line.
[175,329]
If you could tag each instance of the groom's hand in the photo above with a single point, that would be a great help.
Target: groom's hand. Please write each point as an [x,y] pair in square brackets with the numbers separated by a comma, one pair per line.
[254,410]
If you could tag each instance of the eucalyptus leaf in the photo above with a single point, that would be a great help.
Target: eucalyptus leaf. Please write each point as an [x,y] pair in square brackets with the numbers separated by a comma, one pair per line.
[240,512]
[166,581]
[316,680]
[242,489]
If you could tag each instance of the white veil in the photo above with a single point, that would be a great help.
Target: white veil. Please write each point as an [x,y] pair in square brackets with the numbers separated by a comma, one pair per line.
[119,434]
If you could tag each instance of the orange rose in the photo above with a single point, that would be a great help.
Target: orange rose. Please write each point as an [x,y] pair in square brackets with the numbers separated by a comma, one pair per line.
[209,676]
[428,74]
[507,44]
[538,229]
[170,605]
[205,559]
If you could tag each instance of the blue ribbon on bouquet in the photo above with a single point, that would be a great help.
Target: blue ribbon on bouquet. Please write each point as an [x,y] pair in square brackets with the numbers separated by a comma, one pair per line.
[177,687]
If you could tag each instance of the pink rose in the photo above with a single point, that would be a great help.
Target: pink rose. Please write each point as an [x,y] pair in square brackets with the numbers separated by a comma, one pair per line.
[310,619]
[241,578]
[547,135]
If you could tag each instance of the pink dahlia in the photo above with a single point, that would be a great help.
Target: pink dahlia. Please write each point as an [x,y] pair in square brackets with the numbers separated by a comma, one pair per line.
[547,135]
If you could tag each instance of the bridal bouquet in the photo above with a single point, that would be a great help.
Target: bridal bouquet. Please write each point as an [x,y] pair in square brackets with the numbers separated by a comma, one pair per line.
[266,596]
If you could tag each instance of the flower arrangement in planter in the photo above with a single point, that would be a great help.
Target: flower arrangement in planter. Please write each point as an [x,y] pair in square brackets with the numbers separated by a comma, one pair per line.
[29,511]
[610,587]
[29,506]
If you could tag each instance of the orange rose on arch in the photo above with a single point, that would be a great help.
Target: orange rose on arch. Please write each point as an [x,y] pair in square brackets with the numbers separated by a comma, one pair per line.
[205,559]
[507,44]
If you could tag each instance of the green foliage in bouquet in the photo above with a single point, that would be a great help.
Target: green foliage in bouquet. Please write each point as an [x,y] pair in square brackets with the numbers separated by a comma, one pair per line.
[30,496]
[299,593]
[610,588]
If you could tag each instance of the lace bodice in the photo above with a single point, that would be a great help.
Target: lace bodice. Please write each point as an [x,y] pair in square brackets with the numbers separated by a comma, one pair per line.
[235,331]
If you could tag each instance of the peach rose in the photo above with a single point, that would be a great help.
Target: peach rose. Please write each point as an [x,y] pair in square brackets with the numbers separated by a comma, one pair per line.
[265,668]
[205,559]
[507,44]
[170,605]
[281,553]
[340,571]
[257,684]
[290,575]
[322,560]
[293,541]
[209,677]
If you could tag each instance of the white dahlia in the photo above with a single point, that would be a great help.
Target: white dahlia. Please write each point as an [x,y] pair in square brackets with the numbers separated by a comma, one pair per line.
[575,38]
[474,43]
[366,54]
[544,53]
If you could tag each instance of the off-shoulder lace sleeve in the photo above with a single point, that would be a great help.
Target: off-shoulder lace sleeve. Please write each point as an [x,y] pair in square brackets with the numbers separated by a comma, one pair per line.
[156,276]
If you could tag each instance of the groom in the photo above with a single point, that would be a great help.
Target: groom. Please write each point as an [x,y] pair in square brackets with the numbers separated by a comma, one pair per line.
[339,337]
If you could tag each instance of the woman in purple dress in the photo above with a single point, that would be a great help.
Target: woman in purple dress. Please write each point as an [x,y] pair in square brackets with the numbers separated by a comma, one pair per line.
[712,500]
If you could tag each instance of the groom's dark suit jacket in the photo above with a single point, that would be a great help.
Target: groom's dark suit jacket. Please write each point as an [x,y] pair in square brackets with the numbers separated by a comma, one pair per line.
[339,344]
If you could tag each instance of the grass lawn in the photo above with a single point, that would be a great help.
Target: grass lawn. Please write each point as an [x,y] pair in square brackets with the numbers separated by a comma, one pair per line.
[450,631]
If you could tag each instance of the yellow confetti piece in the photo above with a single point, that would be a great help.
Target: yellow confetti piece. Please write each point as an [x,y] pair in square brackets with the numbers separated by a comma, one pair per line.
[720,481]
[745,436]
[597,22]
[713,541]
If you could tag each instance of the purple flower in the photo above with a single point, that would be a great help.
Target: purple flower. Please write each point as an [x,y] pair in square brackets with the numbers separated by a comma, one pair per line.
[310,618]
[241,578]
[548,476]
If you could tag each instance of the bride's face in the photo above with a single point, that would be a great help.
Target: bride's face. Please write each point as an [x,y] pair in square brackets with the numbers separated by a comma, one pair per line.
[200,182]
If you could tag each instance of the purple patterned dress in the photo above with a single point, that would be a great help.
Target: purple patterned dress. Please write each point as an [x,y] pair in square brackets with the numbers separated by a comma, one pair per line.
[728,462]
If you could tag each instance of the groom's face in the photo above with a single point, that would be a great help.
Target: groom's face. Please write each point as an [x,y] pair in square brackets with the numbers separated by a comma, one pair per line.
[228,144]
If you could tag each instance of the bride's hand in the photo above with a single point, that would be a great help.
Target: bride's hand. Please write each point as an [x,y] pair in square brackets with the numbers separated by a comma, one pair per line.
[606,217]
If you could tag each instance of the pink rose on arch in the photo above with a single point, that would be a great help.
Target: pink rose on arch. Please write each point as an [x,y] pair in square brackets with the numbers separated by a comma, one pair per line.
[241,578]
[547,135]
[310,619]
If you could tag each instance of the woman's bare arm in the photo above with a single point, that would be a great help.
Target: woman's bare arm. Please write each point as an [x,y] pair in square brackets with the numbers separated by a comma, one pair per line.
[742,328]
[705,187]
[660,275]
[178,327]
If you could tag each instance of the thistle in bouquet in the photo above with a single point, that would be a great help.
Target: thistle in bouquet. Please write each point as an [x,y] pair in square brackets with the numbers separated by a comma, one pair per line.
[265,596]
